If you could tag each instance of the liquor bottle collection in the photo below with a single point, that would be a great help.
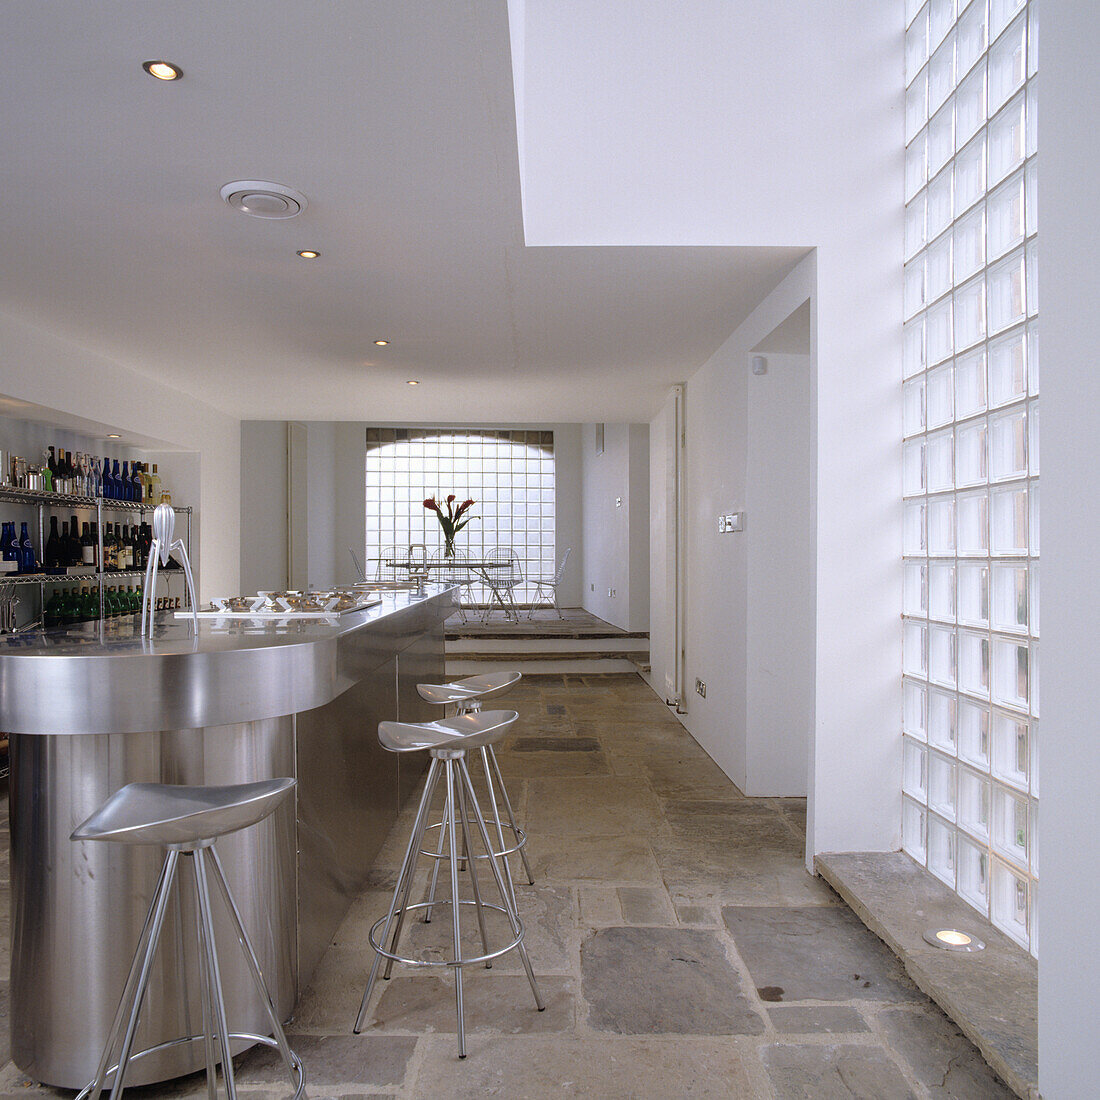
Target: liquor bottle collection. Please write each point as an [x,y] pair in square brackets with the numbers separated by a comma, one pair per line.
[81,474]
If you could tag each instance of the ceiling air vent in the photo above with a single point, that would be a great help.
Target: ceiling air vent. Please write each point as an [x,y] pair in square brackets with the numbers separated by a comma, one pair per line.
[262,199]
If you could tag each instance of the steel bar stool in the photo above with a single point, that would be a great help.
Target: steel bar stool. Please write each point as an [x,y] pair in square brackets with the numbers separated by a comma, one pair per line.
[186,821]
[448,741]
[466,695]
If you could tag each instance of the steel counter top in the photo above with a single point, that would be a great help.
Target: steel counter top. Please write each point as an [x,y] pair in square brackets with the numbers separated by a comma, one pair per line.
[104,677]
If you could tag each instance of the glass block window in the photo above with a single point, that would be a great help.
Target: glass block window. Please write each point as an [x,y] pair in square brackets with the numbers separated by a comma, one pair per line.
[510,475]
[970,714]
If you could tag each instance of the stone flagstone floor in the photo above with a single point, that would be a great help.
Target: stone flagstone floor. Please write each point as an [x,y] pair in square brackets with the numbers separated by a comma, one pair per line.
[681,947]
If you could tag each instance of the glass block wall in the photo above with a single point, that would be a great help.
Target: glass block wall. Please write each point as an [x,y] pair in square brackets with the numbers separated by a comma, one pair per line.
[510,474]
[971,455]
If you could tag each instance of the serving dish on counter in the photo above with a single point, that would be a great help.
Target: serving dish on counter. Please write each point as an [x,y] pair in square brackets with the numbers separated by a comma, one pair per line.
[287,605]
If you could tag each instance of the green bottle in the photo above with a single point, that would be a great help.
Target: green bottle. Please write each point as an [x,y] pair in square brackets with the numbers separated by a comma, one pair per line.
[70,606]
[89,604]
[112,602]
[52,613]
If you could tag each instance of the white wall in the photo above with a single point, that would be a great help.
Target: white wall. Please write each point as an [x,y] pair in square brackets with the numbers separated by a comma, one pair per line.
[1069,235]
[263,505]
[780,538]
[615,492]
[749,598]
[711,123]
[44,370]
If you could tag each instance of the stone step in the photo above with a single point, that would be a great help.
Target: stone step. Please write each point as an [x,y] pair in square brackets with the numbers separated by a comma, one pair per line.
[548,645]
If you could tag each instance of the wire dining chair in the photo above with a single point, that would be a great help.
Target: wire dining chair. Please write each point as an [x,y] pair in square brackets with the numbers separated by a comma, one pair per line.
[546,589]
[502,576]
[454,570]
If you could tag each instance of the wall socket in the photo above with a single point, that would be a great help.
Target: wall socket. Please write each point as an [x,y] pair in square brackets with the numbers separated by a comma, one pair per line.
[730,522]
[700,688]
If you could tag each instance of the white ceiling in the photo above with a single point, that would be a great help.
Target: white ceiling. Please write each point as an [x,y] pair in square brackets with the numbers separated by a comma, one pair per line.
[397,121]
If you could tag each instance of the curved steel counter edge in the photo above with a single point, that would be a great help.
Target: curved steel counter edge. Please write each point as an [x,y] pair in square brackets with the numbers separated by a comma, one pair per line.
[48,693]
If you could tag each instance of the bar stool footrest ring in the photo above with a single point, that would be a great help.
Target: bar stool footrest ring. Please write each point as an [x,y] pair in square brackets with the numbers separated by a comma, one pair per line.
[492,824]
[473,960]
[265,1040]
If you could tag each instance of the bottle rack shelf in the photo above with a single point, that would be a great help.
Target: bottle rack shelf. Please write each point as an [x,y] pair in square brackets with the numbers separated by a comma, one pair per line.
[43,501]
[10,494]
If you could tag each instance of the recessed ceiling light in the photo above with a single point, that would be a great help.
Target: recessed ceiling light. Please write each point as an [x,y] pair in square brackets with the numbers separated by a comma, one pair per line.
[163,70]
[308,253]
[953,940]
[113,435]
[412,382]
[381,343]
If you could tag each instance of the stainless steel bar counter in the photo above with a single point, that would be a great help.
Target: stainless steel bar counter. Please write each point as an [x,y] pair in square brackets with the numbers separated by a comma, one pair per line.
[93,707]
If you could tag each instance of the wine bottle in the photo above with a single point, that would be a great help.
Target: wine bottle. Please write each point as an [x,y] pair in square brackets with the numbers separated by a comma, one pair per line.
[126,555]
[125,484]
[72,549]
[139,489]
[135,548]
[51,465]
[51,554]
[70,608]
[87,547]
[95,543]
[66,473]
[154,486]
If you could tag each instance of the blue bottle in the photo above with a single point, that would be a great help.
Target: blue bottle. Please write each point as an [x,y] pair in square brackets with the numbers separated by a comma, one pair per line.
[108,482]
[117,482]
[125,483]
[7,542]
[26,548]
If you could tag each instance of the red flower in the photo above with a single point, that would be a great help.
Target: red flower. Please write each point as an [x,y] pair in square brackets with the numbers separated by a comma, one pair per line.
[430,503]
[450,498]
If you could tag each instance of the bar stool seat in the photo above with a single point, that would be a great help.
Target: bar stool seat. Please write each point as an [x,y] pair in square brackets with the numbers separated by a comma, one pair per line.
[448,741]
[186,821]
[466,695]
[164,814]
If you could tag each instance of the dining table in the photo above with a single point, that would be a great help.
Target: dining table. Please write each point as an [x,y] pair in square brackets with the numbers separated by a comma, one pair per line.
[419,569]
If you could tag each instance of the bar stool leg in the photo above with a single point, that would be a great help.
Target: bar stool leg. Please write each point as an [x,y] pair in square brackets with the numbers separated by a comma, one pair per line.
[508,806]
[402,909]
[410,856]
[204,996]
[499,825]
[253,963]
[436,862]
[471,867]
[513,918]
[215,978]
[139,969]
[456,925]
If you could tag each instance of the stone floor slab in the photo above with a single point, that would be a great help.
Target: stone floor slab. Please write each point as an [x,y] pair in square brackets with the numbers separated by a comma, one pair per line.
[493,1004]
[605,860]
[651,981]
[834,1072]
[536,1068]
[816,1019]
[646,905]
[591,807]
[333,1060]
[940,1056]
[816,953]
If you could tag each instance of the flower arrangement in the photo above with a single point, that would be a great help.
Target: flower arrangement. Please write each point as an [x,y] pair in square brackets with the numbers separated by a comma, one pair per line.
[452,521]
